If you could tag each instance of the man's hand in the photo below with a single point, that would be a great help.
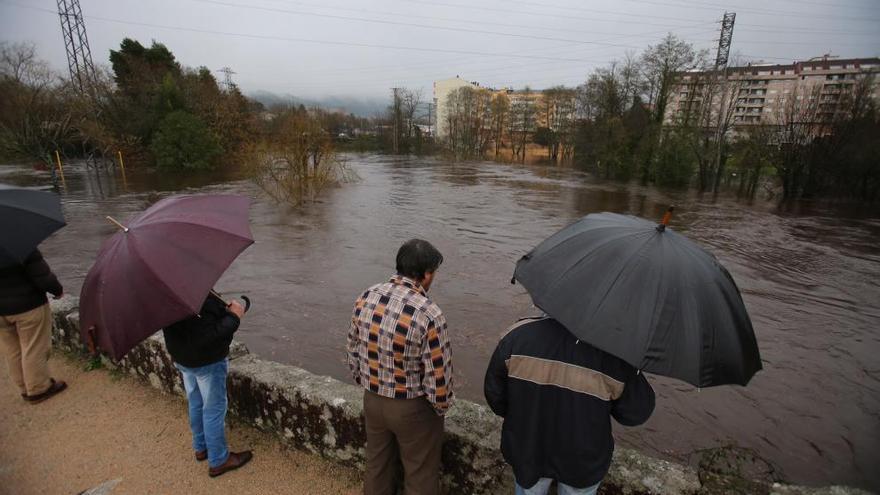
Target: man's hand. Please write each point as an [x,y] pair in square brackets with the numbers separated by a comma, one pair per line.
[235,308]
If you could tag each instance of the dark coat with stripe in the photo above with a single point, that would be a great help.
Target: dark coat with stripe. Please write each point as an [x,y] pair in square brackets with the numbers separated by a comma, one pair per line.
[557,396]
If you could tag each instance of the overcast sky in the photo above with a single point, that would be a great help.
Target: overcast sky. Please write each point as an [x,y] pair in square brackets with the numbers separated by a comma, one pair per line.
[361,48]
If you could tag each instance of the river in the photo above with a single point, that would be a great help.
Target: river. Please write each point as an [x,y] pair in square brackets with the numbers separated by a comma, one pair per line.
[810,277]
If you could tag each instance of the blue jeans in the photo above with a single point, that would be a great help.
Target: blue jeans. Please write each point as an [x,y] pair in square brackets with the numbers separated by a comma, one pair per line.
[206,395]
[543,485]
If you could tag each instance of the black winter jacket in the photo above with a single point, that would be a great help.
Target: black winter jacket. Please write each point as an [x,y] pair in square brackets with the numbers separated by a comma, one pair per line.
[557,396]
[204,339]
[23,287]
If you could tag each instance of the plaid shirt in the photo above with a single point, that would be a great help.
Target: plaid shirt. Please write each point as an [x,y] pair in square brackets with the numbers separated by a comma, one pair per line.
[397,344]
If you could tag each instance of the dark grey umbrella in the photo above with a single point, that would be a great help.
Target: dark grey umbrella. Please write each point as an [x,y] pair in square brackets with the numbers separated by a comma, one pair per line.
[27,217]
[647,295]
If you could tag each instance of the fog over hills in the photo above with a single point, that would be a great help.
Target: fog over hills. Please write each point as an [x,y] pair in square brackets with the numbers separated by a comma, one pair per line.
[362,107]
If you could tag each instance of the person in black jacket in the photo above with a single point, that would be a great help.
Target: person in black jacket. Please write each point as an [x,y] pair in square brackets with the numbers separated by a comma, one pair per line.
[557,396]
[26,326]
[199,346]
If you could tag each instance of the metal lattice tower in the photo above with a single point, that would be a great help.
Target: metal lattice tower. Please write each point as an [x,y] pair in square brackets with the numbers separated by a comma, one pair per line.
[79,55]
[227,80]
[725,40]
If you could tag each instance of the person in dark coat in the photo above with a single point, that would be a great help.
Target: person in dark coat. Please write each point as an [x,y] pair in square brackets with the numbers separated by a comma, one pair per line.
[557,396]
[26,326]
[199,347]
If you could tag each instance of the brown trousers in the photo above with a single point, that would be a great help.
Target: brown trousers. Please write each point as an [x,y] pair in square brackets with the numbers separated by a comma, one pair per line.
[26,340]
[410,429]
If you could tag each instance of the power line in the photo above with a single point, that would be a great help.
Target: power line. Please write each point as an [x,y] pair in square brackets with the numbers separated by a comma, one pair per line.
[307,40]
[407,24]
[758,29]
[478,73]
[801,3]
[616,13]
[796,43]
[222,33]
[459,62]
[544,14]
[450,19]
[689,5]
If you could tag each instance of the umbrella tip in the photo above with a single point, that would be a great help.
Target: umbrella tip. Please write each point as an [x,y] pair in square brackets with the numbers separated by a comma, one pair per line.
[113,221]
[666,217]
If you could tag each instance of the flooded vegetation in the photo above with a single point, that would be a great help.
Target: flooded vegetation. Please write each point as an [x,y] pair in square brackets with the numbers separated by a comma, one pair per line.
[809,274]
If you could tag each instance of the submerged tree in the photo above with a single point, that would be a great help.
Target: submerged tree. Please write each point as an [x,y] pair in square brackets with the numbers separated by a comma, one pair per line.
[522,122]
[469,124]
[500,113]
[296,160]
[661,66]
[37,116]
[558,106]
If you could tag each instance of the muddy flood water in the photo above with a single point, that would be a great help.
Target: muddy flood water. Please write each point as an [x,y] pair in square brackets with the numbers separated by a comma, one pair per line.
[810,277]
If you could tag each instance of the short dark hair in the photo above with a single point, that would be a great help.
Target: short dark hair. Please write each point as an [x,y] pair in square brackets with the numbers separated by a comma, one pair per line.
[416,257]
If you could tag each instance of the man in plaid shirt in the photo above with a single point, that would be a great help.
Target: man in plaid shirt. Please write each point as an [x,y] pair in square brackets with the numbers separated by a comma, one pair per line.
[398,350]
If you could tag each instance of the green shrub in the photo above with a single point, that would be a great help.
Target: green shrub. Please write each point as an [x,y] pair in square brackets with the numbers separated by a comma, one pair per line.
[675,163]
[184,142]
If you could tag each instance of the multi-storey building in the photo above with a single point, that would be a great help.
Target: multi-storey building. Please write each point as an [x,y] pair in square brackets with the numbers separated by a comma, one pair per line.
[540,117]
[762,90]
[442,90]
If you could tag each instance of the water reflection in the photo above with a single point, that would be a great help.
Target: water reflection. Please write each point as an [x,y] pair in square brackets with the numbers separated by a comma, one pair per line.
[809,275]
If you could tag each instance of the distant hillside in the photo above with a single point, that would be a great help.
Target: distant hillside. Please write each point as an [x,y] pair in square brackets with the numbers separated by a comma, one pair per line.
[362,107]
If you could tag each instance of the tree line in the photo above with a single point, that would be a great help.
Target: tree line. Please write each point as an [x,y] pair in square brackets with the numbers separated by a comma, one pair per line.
[147,105]
[160,113]
[619,125]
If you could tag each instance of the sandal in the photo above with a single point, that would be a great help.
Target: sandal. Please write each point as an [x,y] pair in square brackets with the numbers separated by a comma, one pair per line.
[54,388]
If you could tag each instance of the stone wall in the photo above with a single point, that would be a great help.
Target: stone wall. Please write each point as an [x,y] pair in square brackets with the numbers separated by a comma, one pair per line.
[325,416]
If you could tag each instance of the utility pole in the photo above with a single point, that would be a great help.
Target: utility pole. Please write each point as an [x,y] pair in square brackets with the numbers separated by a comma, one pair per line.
[430,124]
[395,108]
[76,43]
[227,79]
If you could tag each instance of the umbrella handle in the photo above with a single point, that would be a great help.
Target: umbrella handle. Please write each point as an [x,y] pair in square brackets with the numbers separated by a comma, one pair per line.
[246,299]
[666,218]
[90,341]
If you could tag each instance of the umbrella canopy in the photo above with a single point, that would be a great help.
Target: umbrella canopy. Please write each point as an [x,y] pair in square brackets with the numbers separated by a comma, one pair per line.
[27,217]
[647,295]
[160,268]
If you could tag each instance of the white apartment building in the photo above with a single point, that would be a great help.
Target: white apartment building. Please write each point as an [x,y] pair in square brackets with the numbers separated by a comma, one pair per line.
[442,90]
[765,88]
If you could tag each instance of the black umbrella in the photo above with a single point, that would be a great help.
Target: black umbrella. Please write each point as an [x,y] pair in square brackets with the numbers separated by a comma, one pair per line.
[647,295]
[27,217]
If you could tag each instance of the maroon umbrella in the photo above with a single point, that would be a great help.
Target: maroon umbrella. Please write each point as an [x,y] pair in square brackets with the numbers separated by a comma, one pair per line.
[160,268]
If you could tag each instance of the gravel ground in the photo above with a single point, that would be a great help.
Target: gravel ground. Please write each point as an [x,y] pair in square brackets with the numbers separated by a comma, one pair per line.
[107,427]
